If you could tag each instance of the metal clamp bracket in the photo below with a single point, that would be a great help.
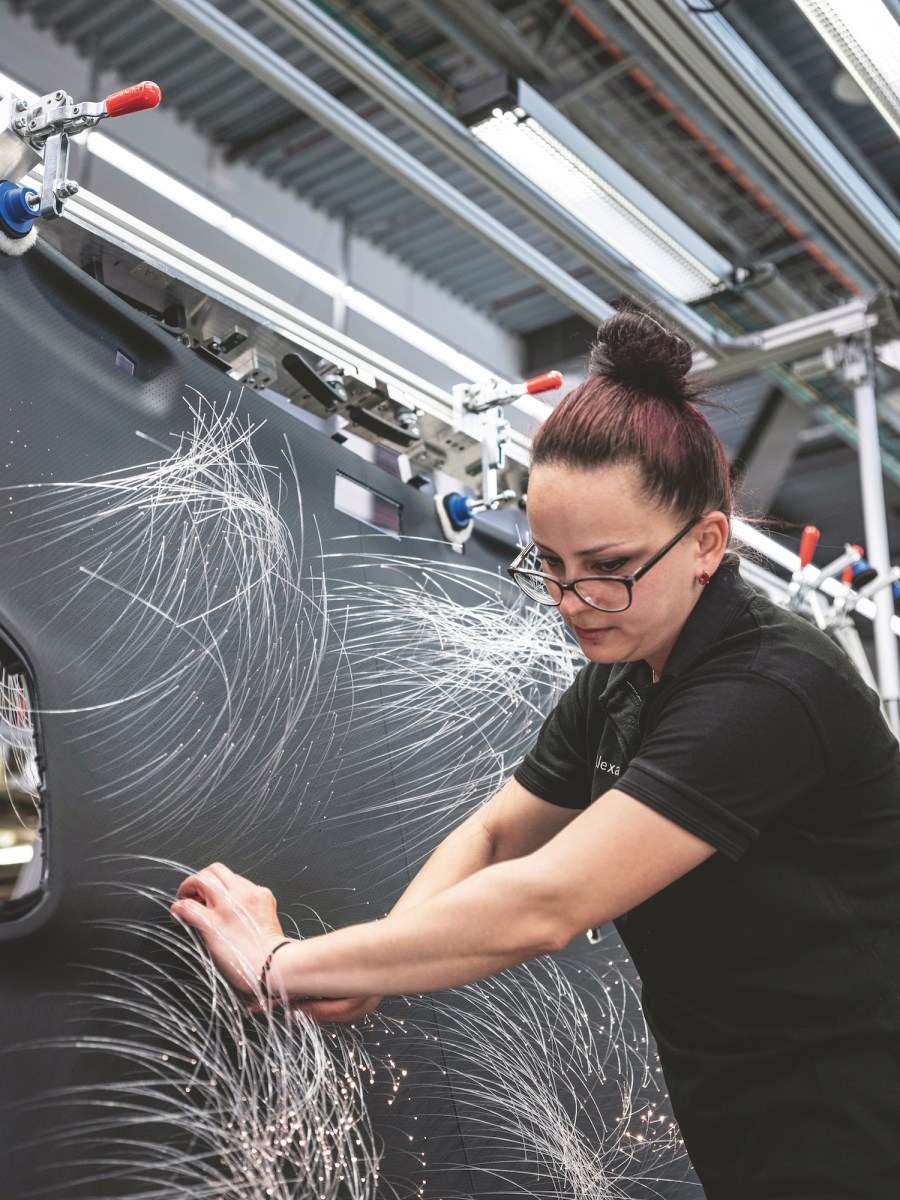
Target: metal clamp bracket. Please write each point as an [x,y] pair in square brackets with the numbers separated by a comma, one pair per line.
[42,128]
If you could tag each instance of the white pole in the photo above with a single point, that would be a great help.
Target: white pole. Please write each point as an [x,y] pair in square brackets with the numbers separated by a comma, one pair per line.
[859,370]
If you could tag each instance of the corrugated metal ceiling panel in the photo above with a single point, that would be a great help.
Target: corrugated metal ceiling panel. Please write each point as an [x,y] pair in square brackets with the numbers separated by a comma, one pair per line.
[621,106]
[253,122]
[195,77]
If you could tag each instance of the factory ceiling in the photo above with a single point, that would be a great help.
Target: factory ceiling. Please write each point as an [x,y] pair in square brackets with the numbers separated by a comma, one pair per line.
[705,148]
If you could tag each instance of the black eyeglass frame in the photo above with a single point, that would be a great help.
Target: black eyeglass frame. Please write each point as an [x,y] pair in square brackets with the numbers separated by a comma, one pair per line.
[515,569]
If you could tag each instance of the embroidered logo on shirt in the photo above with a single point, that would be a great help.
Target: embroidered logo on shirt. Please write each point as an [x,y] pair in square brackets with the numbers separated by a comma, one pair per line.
[609,767]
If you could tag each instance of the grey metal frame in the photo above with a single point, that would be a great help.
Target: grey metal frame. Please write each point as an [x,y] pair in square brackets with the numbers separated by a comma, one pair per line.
[723,357]
[859,370]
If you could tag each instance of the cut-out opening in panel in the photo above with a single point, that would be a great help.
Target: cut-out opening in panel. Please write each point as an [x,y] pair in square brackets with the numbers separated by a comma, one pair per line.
[124,363]
[22,815]
[366,505]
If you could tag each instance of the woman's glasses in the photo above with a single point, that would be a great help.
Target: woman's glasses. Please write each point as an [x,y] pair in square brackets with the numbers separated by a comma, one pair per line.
[609,593]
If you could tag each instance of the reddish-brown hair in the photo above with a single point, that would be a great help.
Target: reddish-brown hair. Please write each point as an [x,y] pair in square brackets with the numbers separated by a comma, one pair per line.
[637,406]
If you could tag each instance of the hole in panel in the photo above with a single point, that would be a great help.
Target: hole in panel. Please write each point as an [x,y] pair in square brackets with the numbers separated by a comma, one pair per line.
[359,501]
[21,792]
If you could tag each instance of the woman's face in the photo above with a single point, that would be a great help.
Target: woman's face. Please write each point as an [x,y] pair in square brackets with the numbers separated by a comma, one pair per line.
[598,522]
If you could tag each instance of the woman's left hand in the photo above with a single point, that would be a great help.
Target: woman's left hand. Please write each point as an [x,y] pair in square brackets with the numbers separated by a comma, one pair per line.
[237,920]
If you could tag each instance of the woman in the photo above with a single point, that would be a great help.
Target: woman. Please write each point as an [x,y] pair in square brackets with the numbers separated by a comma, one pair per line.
[717,779]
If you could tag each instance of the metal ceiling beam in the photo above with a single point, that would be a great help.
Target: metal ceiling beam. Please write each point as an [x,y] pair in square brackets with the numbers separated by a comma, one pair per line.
[284,79]
[791,341]
[734,356]
[337,46]
[710,57]
[501,37]
[438,15]
[762,46]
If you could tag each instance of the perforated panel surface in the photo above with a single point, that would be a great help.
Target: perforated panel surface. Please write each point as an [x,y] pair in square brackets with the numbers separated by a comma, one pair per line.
[176,575]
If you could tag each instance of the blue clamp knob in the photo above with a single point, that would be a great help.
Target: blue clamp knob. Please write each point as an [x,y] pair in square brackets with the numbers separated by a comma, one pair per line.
[16,214]
[864,572]
[458,510]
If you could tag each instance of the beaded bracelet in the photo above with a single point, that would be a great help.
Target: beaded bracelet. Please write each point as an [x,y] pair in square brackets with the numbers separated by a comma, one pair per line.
[266,968]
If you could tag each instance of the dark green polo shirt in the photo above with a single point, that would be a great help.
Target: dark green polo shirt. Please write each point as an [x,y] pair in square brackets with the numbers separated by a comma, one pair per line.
[771,973]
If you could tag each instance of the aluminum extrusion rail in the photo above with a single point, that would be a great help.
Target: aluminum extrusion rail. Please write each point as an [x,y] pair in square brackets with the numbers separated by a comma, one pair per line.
[859,369]
[790,341]
[182,262]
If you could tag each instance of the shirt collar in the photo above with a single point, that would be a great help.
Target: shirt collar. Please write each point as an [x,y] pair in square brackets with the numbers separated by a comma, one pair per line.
[723,597]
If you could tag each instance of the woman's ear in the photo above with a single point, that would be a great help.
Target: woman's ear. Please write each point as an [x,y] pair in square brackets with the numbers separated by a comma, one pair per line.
[712,542]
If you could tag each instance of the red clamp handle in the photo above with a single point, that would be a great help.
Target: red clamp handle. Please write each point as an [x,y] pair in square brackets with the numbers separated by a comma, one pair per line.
[133,99]
[808,543]
[548,382]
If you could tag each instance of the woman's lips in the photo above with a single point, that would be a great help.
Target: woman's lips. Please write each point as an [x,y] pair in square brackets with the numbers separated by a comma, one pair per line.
[591,635]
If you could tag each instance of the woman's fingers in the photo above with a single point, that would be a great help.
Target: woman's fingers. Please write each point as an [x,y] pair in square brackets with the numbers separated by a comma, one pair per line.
[219,882]
[191,912]
[191,889]
[237,920]
[203,887]
[224,875]
[214,874]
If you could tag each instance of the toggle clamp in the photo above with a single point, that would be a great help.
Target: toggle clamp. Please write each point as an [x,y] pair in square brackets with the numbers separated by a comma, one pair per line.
[455,511]
[39,130]
[802,591]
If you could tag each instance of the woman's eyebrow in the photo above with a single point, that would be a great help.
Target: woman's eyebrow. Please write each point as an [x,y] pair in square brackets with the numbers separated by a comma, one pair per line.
[584,553]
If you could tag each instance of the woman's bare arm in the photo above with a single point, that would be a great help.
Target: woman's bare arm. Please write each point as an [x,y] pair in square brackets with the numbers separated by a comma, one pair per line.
[513,823]
[608,859]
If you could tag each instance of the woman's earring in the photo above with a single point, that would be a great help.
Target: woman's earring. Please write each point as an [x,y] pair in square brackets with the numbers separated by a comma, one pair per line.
[703,579]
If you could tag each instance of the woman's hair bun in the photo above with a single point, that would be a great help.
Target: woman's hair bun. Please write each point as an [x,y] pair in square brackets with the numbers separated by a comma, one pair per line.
[633,348]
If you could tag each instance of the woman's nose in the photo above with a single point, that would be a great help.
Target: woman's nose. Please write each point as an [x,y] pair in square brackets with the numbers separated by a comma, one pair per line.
[571,603]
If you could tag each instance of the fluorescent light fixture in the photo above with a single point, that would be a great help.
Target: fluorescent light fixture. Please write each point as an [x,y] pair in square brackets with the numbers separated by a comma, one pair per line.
[532,136]
[16,855]
[865,36]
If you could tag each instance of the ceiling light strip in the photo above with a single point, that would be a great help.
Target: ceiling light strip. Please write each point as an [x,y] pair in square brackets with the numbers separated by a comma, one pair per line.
[865,36]
[539,156]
